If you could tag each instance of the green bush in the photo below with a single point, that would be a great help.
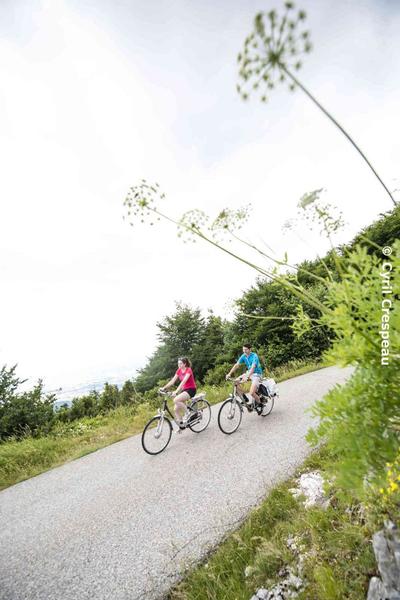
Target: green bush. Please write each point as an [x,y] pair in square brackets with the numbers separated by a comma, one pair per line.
[360,420]
[26,413]
[217,375]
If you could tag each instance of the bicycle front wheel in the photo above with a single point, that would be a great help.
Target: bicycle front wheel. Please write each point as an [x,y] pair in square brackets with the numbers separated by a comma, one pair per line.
[229,416]
[156,435]
[201,416]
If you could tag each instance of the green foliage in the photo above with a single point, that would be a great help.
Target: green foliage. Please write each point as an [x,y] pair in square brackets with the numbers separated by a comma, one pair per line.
[357,420]
[110,397]
[128,393]
[88,405]
[9,384]
[383,232]
[208,346]
[178,335]
[23,413]
[217,375]
[184,333]
[31,412]
[274,336]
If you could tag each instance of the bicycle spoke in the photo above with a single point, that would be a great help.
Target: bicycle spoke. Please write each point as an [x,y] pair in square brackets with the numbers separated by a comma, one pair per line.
[229,416]
[156,435]
[201,415]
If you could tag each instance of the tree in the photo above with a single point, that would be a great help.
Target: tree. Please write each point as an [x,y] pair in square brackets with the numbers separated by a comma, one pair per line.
[26,413]
[83,406]
[274,337]
[9,384]
[128,393]
[109,397]
[180,332]
[209,345]
[178,336]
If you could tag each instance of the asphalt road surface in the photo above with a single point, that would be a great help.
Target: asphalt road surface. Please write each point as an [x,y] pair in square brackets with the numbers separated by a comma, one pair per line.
[119,524]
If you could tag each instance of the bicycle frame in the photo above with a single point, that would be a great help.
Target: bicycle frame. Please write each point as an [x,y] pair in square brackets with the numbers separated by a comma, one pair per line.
[165,409]
[239,396]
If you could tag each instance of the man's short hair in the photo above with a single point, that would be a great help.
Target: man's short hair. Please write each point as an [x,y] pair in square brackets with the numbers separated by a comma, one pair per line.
[247,346]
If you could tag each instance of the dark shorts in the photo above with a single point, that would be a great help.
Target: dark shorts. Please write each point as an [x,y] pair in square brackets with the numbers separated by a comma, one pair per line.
[190,391]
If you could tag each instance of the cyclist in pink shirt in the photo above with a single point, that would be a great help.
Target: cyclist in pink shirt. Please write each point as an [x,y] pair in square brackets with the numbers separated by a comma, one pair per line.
[186,388]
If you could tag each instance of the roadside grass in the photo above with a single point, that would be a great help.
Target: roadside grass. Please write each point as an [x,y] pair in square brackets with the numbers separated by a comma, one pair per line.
[335,544]
[21,459]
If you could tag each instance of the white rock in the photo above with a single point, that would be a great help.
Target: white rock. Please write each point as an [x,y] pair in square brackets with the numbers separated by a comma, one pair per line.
[376,589]
[310,485]
[295,581]
[293,544]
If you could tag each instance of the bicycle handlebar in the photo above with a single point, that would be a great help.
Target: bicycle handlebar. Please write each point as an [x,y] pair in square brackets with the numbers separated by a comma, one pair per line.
[165,393]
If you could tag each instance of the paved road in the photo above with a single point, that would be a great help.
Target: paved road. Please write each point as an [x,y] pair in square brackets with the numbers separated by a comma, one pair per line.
[119,524]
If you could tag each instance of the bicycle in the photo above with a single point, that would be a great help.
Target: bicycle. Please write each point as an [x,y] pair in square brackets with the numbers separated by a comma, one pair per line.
[158,431]
[231,412]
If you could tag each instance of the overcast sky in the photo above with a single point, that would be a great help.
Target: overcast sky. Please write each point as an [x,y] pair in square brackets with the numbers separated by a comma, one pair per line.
[95,95]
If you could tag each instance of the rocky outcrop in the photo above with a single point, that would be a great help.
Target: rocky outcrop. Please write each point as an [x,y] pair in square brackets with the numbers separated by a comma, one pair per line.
[386,544]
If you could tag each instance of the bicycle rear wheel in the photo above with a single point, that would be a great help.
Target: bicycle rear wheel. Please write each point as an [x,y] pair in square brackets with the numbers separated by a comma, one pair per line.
[156,435]
[203,410]
[268,405]
[229,416]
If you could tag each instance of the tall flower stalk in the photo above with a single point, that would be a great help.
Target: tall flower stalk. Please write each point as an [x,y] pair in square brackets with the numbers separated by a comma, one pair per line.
[272,54]
[142,204]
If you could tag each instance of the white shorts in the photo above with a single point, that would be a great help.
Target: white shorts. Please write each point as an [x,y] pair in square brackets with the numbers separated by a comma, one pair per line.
[256,378]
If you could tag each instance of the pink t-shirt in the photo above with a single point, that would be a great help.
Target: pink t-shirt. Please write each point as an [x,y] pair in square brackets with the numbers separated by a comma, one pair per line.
[190,383]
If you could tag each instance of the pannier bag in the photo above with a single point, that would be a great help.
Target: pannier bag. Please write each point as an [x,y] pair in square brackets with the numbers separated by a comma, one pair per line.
[271,386]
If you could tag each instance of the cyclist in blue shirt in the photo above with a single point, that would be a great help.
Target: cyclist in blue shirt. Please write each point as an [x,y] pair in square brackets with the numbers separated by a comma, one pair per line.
[253,372]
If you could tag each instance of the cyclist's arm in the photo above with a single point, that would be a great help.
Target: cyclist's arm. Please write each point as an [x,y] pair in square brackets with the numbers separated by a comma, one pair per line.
[235,366]
[170,383]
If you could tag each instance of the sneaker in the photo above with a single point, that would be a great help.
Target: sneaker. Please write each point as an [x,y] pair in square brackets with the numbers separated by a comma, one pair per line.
[249,406]
[187,417]
[259,408]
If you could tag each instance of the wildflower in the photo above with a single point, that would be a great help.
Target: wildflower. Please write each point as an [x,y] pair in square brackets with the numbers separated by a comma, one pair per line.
[271,50]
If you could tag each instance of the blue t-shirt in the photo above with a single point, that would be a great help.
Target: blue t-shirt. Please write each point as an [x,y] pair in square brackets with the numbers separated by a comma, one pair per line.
[249,361]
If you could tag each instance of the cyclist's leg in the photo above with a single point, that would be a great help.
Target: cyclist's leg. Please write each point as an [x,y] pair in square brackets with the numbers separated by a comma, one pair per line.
[255,382]
[240,391]
[180,404]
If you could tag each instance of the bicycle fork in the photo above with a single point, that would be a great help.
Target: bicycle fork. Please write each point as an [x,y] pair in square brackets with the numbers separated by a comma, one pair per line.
[235,405]
[160,424]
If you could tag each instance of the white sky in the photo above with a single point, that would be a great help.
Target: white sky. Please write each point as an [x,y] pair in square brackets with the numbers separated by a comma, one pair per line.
[96,95]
